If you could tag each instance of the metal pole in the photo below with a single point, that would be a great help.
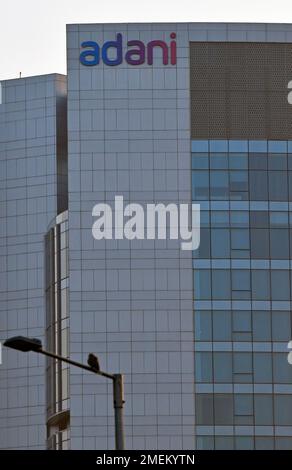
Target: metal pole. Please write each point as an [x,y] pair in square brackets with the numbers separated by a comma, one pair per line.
[118,392]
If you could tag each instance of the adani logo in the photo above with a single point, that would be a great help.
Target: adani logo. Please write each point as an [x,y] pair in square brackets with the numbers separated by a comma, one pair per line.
[137,52]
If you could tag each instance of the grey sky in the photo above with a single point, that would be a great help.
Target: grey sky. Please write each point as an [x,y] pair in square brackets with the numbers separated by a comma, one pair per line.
[32,32]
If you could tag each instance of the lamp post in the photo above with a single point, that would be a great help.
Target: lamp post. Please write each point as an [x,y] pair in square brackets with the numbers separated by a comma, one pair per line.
[21,343]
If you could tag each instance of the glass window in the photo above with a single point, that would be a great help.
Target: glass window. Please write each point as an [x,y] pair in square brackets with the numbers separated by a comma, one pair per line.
[205,442]
[279,219]
[204,409]
[283,443]
[258,186]
[220,243]
[259,219]
[218,145]
[203,325]
[240,239]
[224,443]
[262,367]
[200,185]
[220,219]
[238,181]
[281,326]
[258,146]
[279,239]
[223,404]
[261,324]
[243,405]
[280,285]
[277,146]
[219,161]
[203,251]
[264,443]
[238,146]
[263,410]
[221,325]
[219,185]
[202,287]
[241,321]
[244,443]
[222,367]
[282,369]
[283,410]
[239,218]
[278,186]
[200,161]
[240,279]
[277,161]
[260,284]
[242,363]
[203,367]
[200,146]
[257,162]
[221,288]
[259,243]
[238,161]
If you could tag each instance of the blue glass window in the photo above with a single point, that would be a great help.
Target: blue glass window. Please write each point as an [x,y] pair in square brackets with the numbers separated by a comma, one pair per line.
[218,146]
[219,184]
[202,288]
[260,284]
[239,146]
[277,146]
[200,185]
[220,241]
[200,161]
[203,325]
[238,161]
[258,146]
[200,146]
[221,288]
[219,161]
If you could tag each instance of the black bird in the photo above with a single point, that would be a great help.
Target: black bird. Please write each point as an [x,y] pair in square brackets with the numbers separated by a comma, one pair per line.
[93,362]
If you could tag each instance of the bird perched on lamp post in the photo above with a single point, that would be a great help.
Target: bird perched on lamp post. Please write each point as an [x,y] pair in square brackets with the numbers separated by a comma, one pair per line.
[93,362]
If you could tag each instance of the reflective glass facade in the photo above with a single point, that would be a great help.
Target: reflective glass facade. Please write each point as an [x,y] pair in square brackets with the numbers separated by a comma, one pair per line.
[242,294]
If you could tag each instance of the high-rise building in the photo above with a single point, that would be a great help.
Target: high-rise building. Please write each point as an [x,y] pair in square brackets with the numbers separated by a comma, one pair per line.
[156,113]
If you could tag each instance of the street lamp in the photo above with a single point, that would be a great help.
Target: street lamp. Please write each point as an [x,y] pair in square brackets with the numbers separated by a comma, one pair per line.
[21,343]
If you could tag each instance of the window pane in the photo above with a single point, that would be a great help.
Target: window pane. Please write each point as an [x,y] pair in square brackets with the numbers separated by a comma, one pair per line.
[223,405]
[203,326]
[279,239]
[282,369]
[243,405]
[221,326]
[202,288]
[204,409]
[203,367]
[283,410]
[281,326]
[220,243]
[200,161]
[263,368]
[219,185]
[278,186]
[263,410]
[280,285]
[222,367]
[258,186]
[259,243]
[260,284]
[261,326]
[221,288]
[200,185]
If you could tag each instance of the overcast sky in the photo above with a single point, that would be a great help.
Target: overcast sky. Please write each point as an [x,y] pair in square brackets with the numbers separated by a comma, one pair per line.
[32,32]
